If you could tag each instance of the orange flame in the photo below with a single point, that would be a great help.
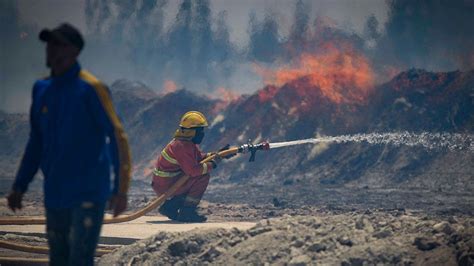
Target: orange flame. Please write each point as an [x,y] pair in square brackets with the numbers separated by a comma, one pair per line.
[267,93]
[342,75]
[227,95]
[169,86]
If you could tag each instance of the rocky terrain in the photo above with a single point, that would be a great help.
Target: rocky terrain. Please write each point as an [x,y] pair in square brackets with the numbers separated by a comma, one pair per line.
[352,238]
[415,101]
[348,204]
[304,235]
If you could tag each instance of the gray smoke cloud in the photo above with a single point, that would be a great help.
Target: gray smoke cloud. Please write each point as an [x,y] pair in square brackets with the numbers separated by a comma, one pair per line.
[139,40]
[434,35]
[195,51]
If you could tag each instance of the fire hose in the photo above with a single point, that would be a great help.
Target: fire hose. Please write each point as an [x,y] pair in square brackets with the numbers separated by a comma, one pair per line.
[246,148]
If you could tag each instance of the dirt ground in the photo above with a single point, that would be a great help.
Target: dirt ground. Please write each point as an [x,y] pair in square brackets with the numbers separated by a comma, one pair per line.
[334,226]
[325,239]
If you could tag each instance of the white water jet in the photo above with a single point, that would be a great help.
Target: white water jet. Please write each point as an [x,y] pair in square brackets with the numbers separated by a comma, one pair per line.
[451,141]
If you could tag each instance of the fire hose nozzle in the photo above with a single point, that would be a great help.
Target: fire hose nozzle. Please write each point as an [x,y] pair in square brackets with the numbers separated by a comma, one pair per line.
[253,148]
[265,145]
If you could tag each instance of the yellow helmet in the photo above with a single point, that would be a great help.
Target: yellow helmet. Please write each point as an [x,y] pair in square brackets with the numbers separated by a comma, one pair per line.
[193,119]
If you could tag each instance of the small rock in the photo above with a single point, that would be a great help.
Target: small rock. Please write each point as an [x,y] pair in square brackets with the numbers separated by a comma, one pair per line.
[211,253]
[180,263]
[382,234]
[317,247]
[134,260]
[396,225]
[145,256]
[193,247]
[297,243]
[452,220]
[345,241]
[271,213]
[443,227]
[180,248]
[454,238]
[381,224]
[300,260]
[259,230]
[152,246]
[278,203]
[353,262]
[295,252]
[177,248]
[359,224]
[425,244]
[235,240]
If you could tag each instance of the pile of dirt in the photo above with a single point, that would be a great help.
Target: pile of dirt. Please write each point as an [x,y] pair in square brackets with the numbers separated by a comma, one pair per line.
[347,239]
[416,101]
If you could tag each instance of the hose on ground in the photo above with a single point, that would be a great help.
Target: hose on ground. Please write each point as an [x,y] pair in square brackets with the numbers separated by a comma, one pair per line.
[23,261]
[119,219]
[18,220]
[41,249]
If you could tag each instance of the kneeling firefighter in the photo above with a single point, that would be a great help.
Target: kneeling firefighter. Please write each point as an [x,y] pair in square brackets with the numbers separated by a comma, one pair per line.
[180,157]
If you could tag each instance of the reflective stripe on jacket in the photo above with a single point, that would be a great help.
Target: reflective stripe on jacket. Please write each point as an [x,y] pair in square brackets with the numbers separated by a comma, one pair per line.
[181,156]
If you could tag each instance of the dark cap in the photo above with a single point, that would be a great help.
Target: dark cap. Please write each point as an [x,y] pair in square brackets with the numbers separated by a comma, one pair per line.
[64,33]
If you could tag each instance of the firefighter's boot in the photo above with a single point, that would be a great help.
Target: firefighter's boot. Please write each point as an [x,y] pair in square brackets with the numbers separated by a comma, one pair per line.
[189,214]
[170,207]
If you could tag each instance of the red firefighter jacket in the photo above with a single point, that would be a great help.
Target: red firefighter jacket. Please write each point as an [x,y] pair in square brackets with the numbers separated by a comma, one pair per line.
[181,156]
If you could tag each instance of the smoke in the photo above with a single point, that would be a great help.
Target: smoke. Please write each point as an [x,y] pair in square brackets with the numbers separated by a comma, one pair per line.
[330,60]
[20,59]
[129,39]
[300,30]
[267,45]
[194,51]
[124,39]
[434,35]
[264,45]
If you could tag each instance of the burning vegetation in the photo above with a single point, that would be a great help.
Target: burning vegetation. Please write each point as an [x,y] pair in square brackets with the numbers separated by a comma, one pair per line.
[341,75]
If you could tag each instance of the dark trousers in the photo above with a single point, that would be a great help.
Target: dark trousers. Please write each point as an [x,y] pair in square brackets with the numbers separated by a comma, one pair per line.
[193,189]
[73,233]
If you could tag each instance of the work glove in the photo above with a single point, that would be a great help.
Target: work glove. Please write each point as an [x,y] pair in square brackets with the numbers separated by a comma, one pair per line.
[14,200]
[118,204]
[226,147]
[216,160]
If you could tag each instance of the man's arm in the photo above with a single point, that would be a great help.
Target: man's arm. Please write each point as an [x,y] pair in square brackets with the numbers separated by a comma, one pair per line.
[29,163]
[107,118]
[187,161]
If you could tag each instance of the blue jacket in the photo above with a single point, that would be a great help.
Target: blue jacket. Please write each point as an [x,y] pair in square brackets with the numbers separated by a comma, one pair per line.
[75,137]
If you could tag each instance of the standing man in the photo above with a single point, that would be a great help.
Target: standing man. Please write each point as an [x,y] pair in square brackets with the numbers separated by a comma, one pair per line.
[182,156]
[75,137]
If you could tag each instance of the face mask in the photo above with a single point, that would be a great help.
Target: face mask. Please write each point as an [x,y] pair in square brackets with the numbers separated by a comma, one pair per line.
[197,139]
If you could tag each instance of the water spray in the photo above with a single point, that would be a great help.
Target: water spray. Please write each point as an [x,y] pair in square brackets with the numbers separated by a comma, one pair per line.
[451,141]
[427,140]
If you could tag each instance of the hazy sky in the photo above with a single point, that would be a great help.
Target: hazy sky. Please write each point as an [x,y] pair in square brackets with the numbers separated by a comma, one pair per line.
[348,14]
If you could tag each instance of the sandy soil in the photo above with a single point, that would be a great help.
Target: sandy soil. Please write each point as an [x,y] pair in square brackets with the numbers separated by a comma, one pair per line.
[326,239]
[337,228]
